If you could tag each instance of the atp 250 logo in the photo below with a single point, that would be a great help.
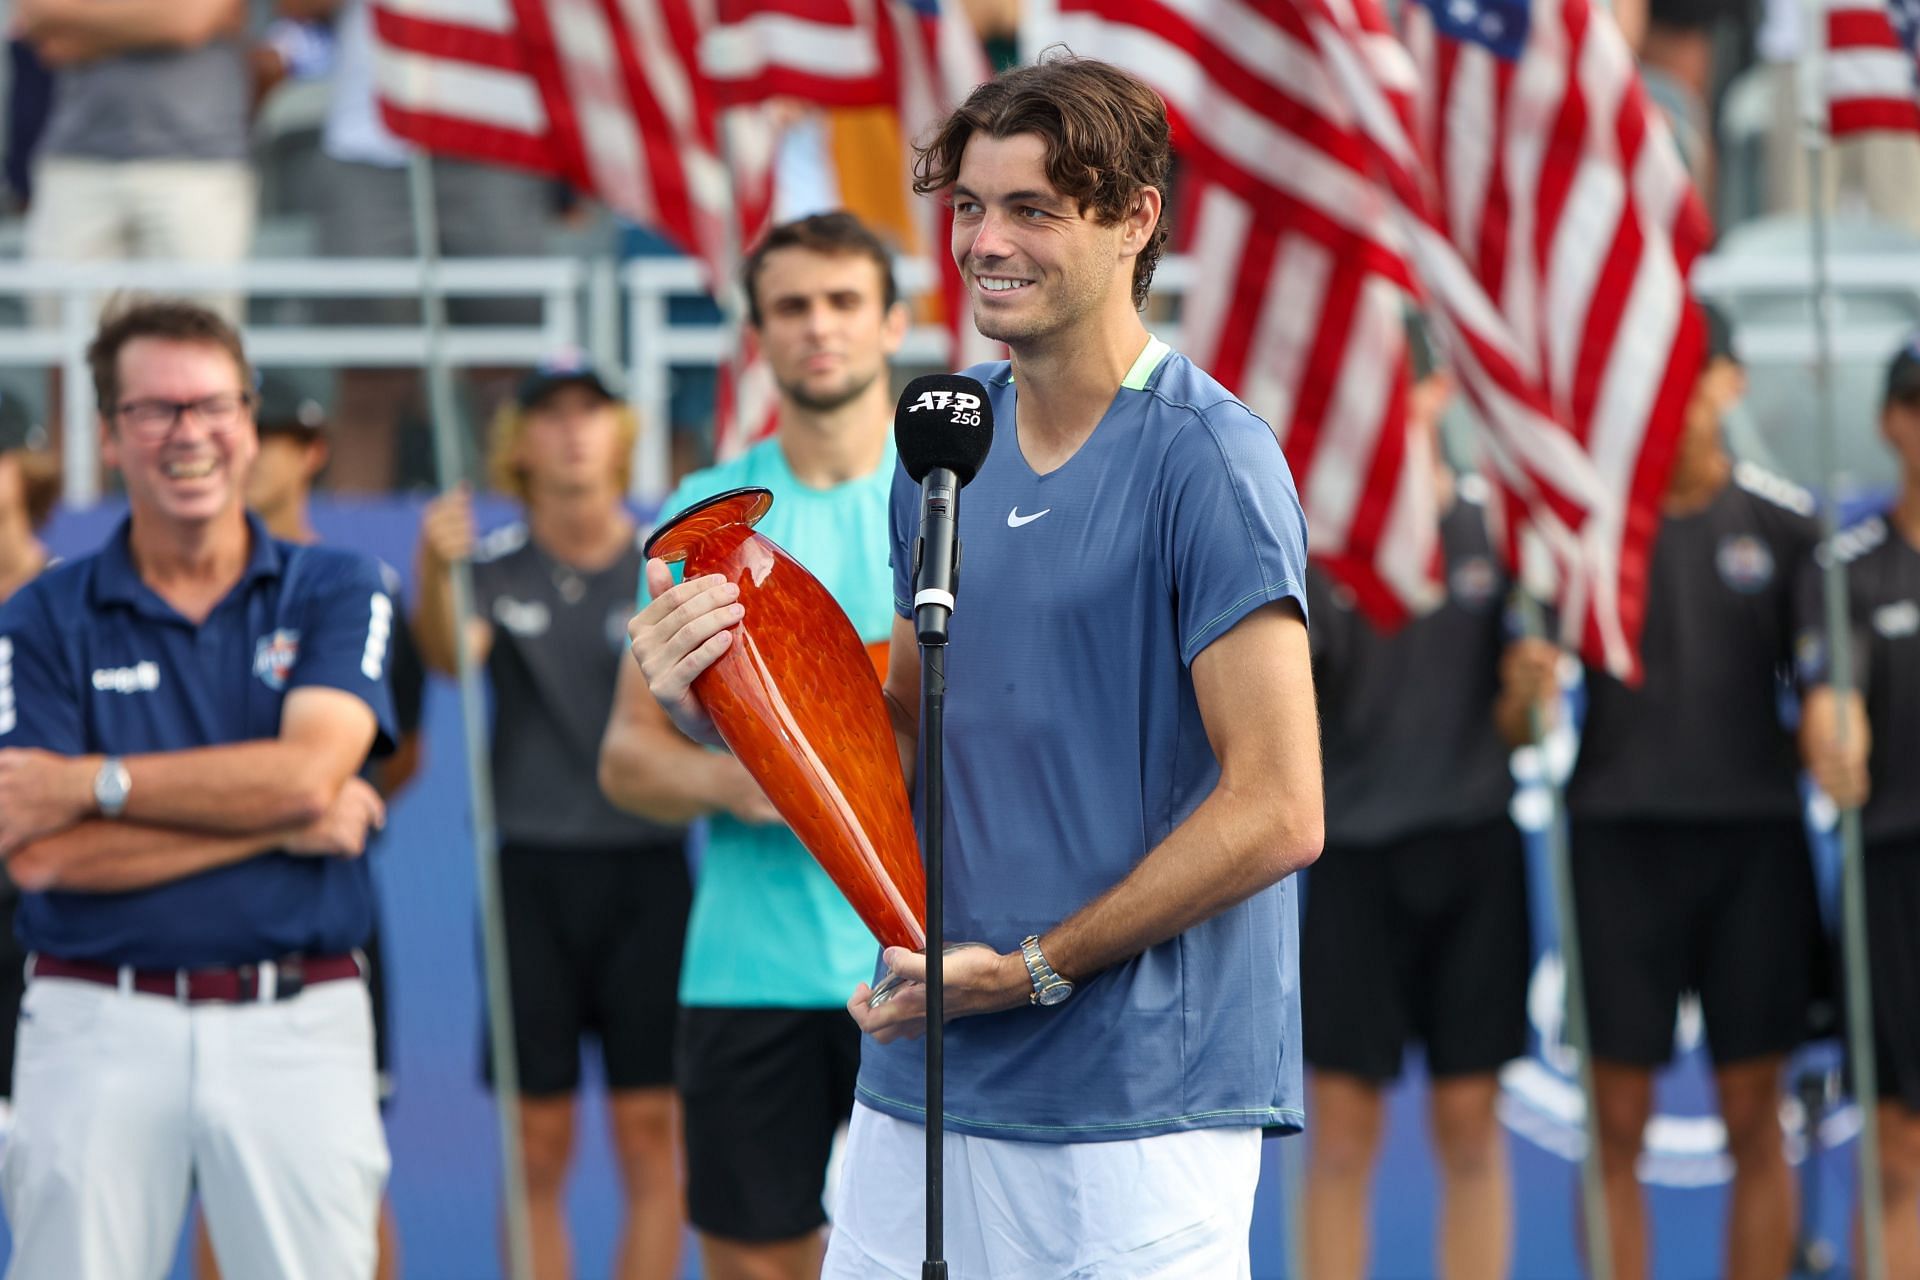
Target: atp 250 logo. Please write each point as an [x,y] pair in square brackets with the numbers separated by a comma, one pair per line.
[965,405]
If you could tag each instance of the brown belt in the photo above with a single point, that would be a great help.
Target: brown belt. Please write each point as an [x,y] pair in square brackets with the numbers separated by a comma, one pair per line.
[273,980]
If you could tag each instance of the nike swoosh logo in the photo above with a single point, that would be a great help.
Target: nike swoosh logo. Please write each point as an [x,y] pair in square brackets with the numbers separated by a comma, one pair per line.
[1015,519]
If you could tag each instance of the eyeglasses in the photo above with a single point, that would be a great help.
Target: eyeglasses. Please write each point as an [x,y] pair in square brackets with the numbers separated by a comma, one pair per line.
[153,420]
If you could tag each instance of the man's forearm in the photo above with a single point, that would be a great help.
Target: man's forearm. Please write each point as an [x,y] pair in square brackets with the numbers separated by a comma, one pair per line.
[1230,848]
[243,788]
[906,736]
[102,27]
[433,617]
[117,857]
[660,775]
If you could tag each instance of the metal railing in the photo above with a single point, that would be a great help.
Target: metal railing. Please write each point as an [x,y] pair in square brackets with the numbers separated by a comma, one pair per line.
[621,314]
[77,291]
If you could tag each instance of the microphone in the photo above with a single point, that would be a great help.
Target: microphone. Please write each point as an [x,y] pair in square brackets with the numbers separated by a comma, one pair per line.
[942,428]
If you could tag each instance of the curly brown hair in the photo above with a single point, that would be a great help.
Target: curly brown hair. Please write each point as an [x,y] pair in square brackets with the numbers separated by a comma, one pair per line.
[1105,132]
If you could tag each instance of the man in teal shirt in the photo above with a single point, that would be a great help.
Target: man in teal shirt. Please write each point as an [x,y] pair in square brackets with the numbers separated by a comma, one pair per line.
[768,1054]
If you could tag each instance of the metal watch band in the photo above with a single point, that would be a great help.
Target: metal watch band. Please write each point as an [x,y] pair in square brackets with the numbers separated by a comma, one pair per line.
[1039,972]
[110,787]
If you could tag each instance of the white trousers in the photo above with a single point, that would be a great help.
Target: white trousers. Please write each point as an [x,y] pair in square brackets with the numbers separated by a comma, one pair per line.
[113,210]
[1174,1207]
[124,1103]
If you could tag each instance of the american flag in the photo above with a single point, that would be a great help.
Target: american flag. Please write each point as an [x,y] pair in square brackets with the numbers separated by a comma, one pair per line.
[1313,100]
[1298,275]
[917,57]
[1873,65]
[608,97]
[1563,191]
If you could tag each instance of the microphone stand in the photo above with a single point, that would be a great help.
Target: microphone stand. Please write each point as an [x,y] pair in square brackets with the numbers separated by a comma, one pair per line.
[933,710]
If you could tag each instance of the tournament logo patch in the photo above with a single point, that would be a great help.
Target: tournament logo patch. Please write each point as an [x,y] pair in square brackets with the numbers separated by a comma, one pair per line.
[1897,621]
[274,656]
[1744,562]
[525,618]
[1473,582]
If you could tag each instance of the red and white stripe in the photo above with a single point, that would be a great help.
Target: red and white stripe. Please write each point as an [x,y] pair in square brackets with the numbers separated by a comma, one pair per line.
[1567,199]
[1873,80]
[818,51]
[607,96]
[1299,277]
[918,57]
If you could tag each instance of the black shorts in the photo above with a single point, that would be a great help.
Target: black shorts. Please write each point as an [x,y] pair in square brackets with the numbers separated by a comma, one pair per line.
[593,948]
[1426,939]
[1725,909]
[1893,961]
[13,985]
[762,1092]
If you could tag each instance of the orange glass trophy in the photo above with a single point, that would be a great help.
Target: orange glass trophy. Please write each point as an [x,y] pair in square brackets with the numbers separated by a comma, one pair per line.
[796,699]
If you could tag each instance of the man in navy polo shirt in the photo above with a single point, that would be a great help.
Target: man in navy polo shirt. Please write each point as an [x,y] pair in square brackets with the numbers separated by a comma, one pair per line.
[182,716]
[1133,764]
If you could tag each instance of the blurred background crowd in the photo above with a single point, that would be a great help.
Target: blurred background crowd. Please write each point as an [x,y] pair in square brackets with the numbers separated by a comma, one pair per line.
[215,131]
[186,133]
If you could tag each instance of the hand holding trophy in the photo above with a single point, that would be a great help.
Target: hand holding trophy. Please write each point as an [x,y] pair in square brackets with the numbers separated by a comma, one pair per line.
[796,699]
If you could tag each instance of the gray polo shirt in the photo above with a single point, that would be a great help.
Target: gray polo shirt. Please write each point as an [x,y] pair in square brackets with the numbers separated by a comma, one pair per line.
[1702,740]
[158,104]
[559,637]
[1407,716]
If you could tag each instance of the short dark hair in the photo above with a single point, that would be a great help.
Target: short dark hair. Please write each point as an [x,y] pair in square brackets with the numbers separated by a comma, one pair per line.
[1105,131]
[839,234]
[169,319]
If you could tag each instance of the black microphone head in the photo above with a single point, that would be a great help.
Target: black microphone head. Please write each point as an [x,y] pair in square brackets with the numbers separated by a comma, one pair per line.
[943,420]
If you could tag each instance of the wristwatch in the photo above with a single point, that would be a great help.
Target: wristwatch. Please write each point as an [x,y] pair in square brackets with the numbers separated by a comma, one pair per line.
[1049,988]
[110,787]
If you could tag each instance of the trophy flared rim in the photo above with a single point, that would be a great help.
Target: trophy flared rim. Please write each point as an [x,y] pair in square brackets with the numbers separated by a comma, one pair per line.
[753,502]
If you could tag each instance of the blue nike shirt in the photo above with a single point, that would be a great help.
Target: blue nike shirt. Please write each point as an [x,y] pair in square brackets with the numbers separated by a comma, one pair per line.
[1074,746]
[93,661]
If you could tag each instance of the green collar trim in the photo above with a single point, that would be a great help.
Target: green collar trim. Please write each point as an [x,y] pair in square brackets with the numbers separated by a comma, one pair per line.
[1149,359]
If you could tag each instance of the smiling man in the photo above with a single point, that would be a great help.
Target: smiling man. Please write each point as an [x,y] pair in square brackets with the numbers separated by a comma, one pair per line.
[1132,758]
[181,718]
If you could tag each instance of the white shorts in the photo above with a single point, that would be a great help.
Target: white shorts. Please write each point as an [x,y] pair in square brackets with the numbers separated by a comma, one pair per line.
[1170,1207]
[123,1103]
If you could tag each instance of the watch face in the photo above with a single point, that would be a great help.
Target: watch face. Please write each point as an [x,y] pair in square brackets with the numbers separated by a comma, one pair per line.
[1056,993]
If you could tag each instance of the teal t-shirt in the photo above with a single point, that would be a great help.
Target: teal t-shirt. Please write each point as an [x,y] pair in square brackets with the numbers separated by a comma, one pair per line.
[768,927]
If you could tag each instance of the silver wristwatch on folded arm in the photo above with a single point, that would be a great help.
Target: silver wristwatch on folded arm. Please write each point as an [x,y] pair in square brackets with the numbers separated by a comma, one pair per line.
[1049,988]
[110,787]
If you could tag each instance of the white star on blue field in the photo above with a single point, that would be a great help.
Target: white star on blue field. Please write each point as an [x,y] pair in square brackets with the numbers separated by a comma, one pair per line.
[1499,26]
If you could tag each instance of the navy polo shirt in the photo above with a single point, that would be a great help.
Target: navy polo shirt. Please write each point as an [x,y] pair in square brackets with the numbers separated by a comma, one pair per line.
[92,660]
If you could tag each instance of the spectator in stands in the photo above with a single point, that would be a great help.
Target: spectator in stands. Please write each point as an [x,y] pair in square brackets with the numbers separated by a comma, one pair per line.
[484,210]
[146,151]
[1877,765]
[1878,170]
[595,900]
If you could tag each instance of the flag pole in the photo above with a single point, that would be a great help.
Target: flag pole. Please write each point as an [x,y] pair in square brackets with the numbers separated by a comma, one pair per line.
[448,462]
[1853,898]
[1593,1191]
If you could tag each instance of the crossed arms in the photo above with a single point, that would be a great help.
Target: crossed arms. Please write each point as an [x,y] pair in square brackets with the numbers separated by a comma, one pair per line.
[190,811]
